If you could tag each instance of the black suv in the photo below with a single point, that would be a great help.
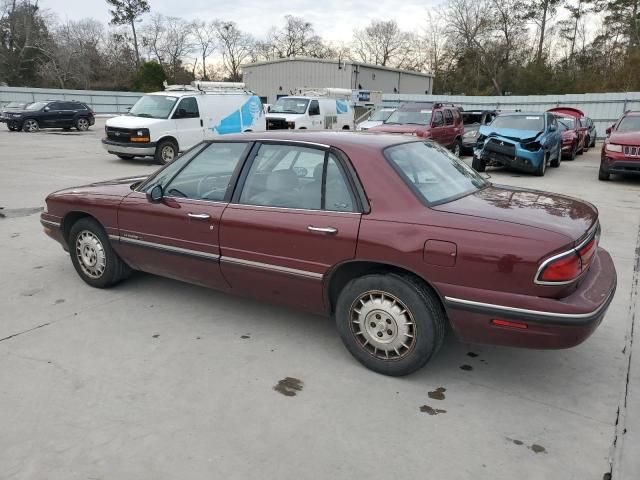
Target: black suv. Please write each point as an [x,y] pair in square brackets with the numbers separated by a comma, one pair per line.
[51,114]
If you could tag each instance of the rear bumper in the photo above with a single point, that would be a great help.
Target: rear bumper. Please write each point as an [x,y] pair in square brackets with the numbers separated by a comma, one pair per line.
[550,323]
[129,148]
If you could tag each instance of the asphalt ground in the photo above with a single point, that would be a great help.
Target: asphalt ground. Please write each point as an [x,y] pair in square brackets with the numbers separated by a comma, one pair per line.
[156,379]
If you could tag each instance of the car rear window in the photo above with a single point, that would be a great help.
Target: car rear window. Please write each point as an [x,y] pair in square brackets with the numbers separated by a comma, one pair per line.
[434,174]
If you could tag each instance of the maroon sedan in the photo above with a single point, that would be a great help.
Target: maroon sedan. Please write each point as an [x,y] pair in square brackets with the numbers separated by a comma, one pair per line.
[392,235]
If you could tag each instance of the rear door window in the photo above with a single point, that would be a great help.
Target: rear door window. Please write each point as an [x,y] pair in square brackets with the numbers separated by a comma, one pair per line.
[437,119]
[448,116]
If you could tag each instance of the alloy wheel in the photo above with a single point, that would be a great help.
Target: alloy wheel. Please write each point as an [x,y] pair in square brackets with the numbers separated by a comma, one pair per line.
[31,126]
[90,254]
[83,124]
[383,325]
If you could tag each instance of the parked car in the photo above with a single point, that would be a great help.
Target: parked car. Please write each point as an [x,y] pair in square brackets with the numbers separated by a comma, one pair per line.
[525,141]
[313,109]
[473,120]
[621,148]
[591,134]
[570,130]
[390,234]
[437,121]
[378,117]
[9,108]
[580,127]
[162,124]
[64,114]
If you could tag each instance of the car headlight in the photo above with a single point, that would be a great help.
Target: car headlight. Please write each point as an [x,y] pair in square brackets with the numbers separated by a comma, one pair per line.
[15,115]
[613,147]
[470,135]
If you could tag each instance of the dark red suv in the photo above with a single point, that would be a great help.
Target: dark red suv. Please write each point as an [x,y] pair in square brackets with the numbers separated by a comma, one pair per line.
[621,148]
[437,121]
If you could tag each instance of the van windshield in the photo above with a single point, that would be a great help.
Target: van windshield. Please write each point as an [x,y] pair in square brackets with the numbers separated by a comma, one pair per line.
[153,106]
[290,105]
[405,117]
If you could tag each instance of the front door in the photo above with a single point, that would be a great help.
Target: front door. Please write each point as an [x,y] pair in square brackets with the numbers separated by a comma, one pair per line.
[178,237]
[292,218]
[189,125]
[438,128]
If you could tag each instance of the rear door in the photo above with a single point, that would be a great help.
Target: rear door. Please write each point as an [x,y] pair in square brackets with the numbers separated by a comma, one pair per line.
[178,237]
[437,127]
[292,218]
[189,125]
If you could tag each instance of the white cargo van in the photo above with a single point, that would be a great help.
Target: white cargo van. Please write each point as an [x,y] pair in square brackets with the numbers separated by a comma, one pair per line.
[317,109]
[161,124]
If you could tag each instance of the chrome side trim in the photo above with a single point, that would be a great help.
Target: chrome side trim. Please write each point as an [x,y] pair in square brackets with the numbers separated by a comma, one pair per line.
[50,223]
[165,248]
[293,209]
[270,267]
[524,311]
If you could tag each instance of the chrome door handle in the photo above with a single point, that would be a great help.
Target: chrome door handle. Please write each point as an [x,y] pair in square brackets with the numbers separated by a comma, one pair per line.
[200,216]
[327,230]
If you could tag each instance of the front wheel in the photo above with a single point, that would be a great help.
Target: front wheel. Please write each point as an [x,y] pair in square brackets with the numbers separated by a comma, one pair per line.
[12,127]
[603,174]
[92,256]
[30,125]
[166,152]
[392,324]
[478,164]
[542,168]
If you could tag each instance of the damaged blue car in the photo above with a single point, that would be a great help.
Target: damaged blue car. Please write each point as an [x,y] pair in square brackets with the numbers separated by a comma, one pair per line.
[525,141]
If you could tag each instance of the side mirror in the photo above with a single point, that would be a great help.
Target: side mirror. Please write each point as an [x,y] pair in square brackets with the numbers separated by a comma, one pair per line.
[46,109]
[609,129]
[155,194]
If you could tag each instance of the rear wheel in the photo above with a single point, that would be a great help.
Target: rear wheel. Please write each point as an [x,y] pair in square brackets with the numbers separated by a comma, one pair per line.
[478,164]
[393,324]
[166,152]
[92,256]
[574,152]
[30,125]
[555,163]
[82,124]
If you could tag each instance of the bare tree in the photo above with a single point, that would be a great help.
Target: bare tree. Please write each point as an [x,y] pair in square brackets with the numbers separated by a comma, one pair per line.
[128,12]
[169,40]
[236,47]
[382,43]
[541,12]
[297,38]
[206,36]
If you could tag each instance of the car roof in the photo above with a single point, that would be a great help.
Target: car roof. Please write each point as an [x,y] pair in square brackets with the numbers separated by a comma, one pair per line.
[632,114]
[340,140]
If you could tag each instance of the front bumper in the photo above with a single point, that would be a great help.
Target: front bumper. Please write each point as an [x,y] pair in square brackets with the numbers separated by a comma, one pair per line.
[129,148]
[613,162]
[511,154]
[550,323]
[53,228]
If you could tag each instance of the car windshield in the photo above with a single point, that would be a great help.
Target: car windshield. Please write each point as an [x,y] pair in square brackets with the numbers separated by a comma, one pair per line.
[471,118]
[15,105]
[380,115]
[153,106]
[566,123]
[629,124]
[434,173]
[290,105]
[36,106]
[519,122]
[405,117]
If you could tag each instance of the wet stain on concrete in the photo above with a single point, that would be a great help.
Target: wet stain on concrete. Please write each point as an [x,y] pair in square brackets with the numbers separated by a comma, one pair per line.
[467,368]
[248,335]
[59,301]
[19,212]
[31,293]
[430,410]
[156,335]
[538,448]
[289,386]
[518,442]
[606,476]
[437,394]
[472,354]
[15,235]
[197,338]
[38,267]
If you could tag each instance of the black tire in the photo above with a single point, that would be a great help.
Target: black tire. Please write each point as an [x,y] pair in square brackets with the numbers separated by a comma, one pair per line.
[478,164]
[574,152]
[603,175]
[114,269]
[456,148]
[13,127]
[161,155]
[555,163]
[580,152]
[542,168]
[593,142]
[125,157]
[422,309]
[82,124]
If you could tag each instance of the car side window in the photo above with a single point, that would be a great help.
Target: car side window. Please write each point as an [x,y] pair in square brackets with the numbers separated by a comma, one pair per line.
[54,107]
[337,194]
[314,108]
[437,119]
[187,108]
[448,117]
[208,175]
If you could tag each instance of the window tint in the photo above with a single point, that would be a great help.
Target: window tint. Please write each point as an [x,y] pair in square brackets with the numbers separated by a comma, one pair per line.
[187,108]
[437,119]
[55,106]
[314,108]
[448,117]
[337,197]
[207,176]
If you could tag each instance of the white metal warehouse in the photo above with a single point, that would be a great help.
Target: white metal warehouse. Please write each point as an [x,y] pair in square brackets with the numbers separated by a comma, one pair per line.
[275,78]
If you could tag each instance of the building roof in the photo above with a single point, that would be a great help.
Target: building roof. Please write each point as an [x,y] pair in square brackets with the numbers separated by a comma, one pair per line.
[335,61]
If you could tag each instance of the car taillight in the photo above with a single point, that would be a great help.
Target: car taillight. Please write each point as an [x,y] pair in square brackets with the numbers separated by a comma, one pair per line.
[563,269]
[588,251]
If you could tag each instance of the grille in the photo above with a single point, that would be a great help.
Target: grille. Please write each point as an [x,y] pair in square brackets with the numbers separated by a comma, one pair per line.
[631,151]
[276,124]
[498,146]
[119,134]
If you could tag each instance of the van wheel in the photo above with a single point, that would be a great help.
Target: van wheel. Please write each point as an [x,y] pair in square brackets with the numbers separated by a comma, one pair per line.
[478,165]
[392,324]
[166,152]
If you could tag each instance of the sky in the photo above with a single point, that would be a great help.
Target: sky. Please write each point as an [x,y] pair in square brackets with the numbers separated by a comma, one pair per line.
[334,20]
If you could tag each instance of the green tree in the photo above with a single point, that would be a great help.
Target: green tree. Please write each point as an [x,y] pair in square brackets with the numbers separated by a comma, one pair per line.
[128,12]
[149,77]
